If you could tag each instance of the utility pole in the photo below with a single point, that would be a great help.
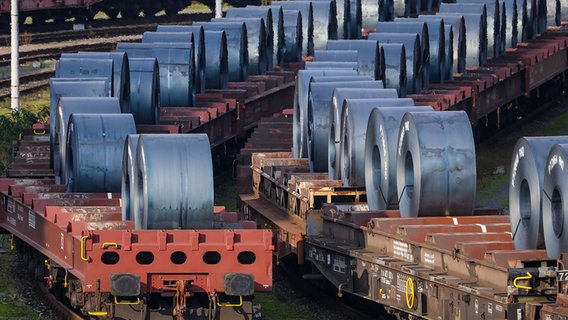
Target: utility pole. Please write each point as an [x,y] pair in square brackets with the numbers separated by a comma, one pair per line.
[15,59]
[218,8]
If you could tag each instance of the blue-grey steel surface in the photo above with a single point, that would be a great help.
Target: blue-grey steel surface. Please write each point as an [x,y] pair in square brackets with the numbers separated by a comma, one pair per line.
[319,104]
[367,53]
[77,67]
[237,47]
[216,62]
[121,74]
[306,11]
[292,37]
[337,100]
[458,59]
[381,139]
[65,108]
[71,87]
[177,65]
[394,69]
[259,50]
[145,90]
[174,182]
[128,192]
[335,55]
[435,166]
[199,50]
[325,22]
[354,118]
[96,145]
[331,65]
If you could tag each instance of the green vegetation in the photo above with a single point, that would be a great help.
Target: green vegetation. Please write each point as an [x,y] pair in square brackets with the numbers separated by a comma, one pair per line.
[35,109]
[277,306]
[11,304]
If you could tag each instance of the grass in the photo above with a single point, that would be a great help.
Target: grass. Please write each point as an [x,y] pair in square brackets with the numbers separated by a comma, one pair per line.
[276,306]
[11,304]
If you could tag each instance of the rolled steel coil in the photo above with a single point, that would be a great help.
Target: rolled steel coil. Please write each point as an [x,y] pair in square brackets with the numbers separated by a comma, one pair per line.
[476,38]
[367,54]
[436,55]
[555,191]
[185,37]
[85,68]
[71,87]
[394,69]
[199,52]
[494,14]
[413,52]
[96,144]
[338,97]
[511,23]
[523,16]
[563,9]
[370,13]
[354,119]
[174,182]
[128,192]
[121,73]
[343,8]
[403,8]
[309,65]
[291,36]
[237,47]
[145,90]
[530,23]
[325,22]
[300,113]
[258,53]
[414,27]
[553,12]
[65,108]
[176,64]
[355,19]
[277,16]
[489,12]
[216,63]
[319,103]
[459,41]
[269,24]
[436,173]
[381,140]
[335,55]
[528,165]
[307,16]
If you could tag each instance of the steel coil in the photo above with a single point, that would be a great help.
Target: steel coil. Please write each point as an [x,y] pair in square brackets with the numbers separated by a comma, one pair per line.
[319,104]
[459,41]
[510,23]
[325,22]
[128,192]
[367,54]
[436,55]
[435,166]
[419,28]
[199,52]
[553,13]
[476,38]
[196,39]
[145,90]
[338,97]
[394,69]
[413,52]
[490,10]
[355,20]
[554,205]
[335,55]
[216,63]
[176,64]
[528,165]
[310,65]
[403,8]
[299,128]
[85,68]
[65,108]
[563,9]
[269,24]
[174,182]
[121,73]
[257,43]
[381,139]
[355,115]
[306,11]
[523,25]
[292,36]
[71,87]
[277,17]
[555,191]
[369,13]
[530,20]
[237,47]
[96,143]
